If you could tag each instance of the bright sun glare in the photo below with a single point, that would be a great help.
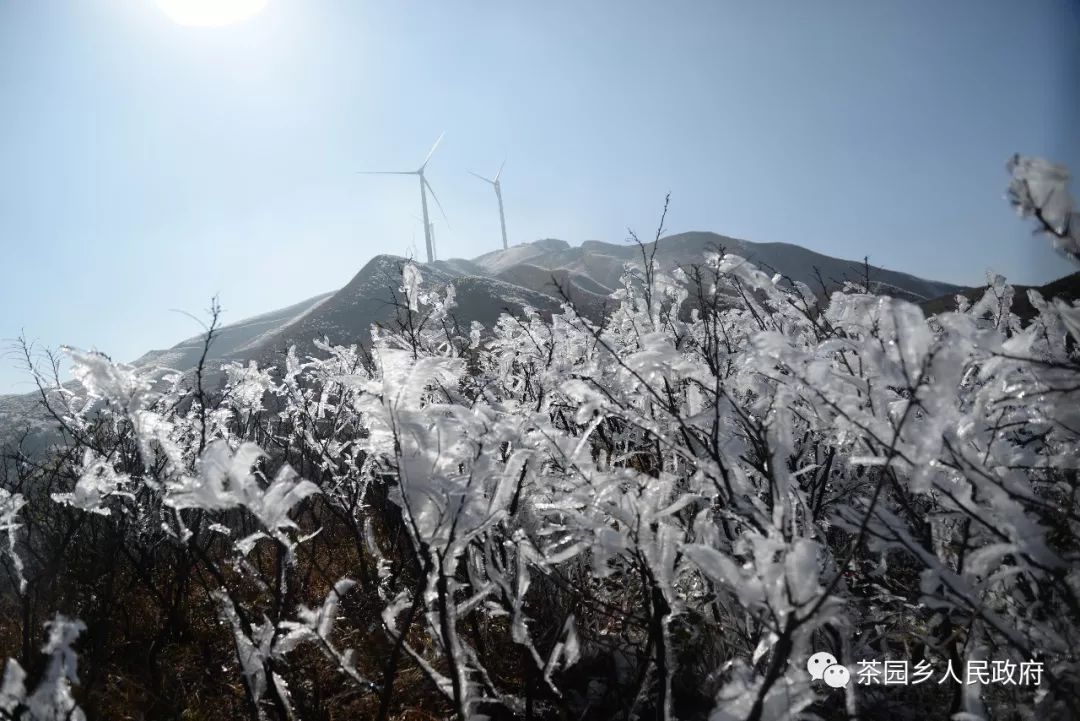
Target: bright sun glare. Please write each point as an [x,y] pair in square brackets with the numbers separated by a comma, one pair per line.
[210,13]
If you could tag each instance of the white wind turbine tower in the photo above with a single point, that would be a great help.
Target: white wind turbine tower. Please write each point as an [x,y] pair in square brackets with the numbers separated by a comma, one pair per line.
[424,187]
[497,184]
[431,229]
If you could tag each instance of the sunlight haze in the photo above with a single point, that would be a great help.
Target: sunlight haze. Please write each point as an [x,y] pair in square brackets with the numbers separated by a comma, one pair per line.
[149,162]
[210,12]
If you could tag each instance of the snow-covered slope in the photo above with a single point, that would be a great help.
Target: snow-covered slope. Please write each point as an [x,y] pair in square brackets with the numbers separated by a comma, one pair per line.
[527,274]
[530,273]
[602,263]
[346,317]
[233,339]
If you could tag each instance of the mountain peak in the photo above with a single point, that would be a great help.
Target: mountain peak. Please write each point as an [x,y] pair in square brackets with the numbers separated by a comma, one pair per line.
[550,244]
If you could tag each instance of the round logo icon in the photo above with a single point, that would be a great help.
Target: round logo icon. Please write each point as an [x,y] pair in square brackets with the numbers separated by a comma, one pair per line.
[817,664]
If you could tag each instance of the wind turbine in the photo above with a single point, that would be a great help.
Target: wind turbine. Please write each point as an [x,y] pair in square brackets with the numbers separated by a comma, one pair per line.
[497,184]
[431,227]
[424,187]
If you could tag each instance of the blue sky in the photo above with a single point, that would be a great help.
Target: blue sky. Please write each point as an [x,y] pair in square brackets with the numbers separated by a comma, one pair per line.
[145,166]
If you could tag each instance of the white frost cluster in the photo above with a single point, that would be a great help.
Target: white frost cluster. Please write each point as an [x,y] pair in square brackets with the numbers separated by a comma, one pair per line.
[741,483]
[51,699]
[10,505]
[1040,188]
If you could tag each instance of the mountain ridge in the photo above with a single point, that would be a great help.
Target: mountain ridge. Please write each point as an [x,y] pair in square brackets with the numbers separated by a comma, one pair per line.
[534,274]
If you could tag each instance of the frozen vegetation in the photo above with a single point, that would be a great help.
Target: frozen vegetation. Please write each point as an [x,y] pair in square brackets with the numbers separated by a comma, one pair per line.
[655,515]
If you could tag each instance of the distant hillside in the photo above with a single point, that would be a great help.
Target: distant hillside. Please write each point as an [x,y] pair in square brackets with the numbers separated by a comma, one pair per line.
[1067,288]
[234,339]
[528,274]
[602,263]
[347,316]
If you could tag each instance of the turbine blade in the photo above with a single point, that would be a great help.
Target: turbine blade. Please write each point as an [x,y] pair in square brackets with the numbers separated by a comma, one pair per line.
[436,198]
[477,175]
[386,172]
[500,171]
[432,151]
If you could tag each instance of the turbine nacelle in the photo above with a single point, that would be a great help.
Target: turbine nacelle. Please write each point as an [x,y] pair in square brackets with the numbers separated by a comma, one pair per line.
[493,181]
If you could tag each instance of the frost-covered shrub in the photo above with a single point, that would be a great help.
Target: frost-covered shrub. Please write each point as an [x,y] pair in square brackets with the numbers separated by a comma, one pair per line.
[660,515]
[51,699]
